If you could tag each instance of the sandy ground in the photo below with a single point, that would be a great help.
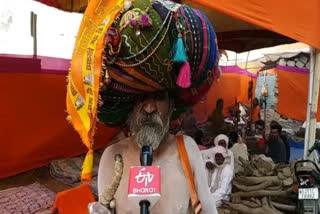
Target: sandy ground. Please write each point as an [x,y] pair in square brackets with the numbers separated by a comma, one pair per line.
[40,175]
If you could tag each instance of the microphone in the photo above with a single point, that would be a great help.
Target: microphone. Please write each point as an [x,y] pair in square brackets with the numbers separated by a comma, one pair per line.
[146,156]
[145,181]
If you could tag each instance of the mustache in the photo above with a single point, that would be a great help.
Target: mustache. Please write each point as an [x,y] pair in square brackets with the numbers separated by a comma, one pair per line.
[148,128]
[149,119]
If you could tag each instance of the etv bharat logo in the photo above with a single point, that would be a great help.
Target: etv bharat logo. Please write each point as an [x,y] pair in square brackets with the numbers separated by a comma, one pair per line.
[144,177]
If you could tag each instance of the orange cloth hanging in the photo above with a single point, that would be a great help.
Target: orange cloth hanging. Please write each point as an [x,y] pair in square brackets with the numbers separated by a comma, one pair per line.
[85,73]
[256,113]
[74,200]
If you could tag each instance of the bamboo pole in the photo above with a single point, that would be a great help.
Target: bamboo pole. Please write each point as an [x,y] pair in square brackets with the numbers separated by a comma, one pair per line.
[34,32]
[313,98]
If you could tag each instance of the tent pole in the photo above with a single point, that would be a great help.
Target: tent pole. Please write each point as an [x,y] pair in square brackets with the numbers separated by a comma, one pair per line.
[34,32]
[313,97]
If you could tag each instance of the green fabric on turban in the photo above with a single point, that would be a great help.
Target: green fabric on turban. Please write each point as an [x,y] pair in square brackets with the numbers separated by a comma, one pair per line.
[140,49]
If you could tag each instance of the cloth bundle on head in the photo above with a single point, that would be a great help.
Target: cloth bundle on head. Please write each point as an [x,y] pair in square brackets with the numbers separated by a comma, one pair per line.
[218,168]
[125,49]
[156,45]
[219,149]
[229,152]
[221,137]
[221,181]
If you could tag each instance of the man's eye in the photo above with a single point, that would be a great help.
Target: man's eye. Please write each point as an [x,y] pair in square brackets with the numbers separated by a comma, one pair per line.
[160,96]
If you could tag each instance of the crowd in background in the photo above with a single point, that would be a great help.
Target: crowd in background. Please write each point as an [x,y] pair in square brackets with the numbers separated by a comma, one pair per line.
[222,142]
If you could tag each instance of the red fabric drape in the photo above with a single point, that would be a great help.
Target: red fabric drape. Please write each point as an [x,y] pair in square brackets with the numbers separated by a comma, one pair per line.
[33,124]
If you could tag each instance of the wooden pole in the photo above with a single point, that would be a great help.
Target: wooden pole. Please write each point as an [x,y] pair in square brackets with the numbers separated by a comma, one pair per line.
[314,98]
[34,32]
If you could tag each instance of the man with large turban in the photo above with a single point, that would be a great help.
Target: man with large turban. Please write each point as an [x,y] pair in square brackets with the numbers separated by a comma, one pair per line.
[139,63]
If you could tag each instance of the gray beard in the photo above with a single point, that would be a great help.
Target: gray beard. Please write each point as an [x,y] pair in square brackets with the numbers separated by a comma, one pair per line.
[149,130]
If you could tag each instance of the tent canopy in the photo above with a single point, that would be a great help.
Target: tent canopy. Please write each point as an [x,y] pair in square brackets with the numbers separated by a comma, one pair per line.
[297,20]
[249,24]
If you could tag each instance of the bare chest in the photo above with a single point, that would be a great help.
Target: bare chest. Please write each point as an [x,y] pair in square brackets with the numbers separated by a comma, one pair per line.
[174,190]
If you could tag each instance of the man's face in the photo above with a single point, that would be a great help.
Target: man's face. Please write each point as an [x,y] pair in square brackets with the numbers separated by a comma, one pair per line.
[222,143]
[219,159]
[150,118]
[259,129]
[274,133]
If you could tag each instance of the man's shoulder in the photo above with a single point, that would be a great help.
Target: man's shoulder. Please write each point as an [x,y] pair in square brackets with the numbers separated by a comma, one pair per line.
[191,147]
[189,142]
[118,147]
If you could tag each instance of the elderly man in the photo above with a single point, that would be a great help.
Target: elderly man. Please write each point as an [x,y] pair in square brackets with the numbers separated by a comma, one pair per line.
[149,122]
[156,57]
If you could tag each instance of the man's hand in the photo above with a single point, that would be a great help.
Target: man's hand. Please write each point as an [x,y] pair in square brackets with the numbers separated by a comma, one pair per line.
[209,165]
[97,208]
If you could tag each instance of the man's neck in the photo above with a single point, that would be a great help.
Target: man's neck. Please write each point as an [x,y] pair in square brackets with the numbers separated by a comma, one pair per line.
[164,143]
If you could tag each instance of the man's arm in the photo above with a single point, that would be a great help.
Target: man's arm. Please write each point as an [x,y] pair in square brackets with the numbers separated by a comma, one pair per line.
[197,165]
[106,167]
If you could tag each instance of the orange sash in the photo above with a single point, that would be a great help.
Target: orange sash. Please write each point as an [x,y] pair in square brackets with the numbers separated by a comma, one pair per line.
[85,73]
[196,205]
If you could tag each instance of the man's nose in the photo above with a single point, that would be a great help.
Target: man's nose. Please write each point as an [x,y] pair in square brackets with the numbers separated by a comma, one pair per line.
[149,106]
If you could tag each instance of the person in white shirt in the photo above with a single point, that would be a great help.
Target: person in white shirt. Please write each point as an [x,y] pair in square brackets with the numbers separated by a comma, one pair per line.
[208,156]
[221,182]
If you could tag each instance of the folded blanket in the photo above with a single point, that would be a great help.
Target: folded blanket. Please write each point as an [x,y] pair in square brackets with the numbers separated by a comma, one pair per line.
[68,170]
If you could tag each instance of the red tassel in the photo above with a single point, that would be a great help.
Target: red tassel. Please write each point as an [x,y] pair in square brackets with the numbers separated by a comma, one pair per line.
[184,77]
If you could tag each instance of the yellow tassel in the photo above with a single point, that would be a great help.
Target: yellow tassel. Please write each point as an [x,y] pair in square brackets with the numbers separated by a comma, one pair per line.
[69,118]
[86,174]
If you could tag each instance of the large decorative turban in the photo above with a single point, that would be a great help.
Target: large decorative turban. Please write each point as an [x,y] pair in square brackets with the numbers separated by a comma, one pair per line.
[127,48]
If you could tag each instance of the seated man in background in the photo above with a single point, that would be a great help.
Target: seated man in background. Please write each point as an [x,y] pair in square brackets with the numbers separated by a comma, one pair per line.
[233,136]
[208,155]
[275,147]
[223,140]
[284,138]
[221,181]
[217,124]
